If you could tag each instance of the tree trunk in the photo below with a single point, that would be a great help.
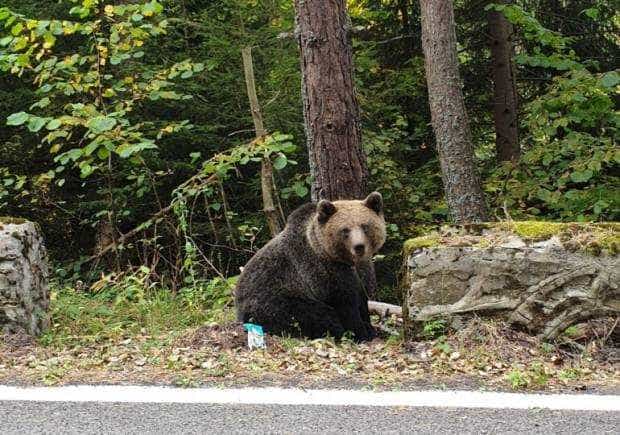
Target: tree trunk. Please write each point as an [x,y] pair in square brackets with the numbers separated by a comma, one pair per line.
[24,294]
[337,162]
[450,123]
[266,173]
[505,99]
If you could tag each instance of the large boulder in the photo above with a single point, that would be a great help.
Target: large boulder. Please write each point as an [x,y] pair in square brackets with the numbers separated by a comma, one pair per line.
[539,275]
[24,295]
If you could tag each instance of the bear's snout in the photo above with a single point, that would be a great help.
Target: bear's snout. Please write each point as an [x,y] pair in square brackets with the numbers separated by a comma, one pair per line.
[359,249]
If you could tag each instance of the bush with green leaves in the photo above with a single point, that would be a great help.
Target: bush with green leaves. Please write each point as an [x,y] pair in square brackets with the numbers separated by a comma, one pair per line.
[570,160]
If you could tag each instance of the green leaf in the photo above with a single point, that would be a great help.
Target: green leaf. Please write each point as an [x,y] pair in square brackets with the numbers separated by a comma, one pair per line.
[17,118]
[54,124]
[300,190]
[17,29]
[36,123]
[126,150]
[103,153]
[280,162]
[592,13]
[5,41]
[99,124]
[151,8]
[71,155]
[610,79]
[90,148]
[85,170]
[581,176]
[186,74]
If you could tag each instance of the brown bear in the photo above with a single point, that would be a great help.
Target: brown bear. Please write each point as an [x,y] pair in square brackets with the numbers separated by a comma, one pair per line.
[313,279]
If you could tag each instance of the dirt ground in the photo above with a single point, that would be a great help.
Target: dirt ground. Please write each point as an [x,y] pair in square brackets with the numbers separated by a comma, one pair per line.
[482,355]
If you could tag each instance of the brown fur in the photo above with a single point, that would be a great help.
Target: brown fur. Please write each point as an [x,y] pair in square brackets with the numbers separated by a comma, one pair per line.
[314,278]
[355,216]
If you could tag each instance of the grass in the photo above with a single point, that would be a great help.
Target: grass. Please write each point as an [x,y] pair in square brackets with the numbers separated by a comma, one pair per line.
[517,379]
[121,309]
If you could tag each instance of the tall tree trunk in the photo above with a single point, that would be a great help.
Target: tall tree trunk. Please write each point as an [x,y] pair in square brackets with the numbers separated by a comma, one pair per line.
[266,173]
[337,162]
[505,99]
[450,123]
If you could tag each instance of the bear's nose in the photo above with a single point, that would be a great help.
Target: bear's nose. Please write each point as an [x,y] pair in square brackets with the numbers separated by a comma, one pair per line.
[359,249]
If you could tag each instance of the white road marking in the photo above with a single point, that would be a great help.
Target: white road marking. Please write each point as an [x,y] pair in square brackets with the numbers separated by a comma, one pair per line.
[294,396]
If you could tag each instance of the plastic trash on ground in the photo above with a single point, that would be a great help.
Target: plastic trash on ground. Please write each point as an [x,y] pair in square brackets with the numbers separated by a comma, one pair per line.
[256,336]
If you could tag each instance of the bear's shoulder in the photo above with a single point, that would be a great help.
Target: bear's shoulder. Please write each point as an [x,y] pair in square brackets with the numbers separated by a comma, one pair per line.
[300,216]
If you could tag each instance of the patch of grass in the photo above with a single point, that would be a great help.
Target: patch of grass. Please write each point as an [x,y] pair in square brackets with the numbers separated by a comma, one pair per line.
[538,374]
[186,382]
[571,331]
[395,340]
[517,379]
[121,308]
[569,374]
[434,328]
[290,343]
[443,346]
[547,348]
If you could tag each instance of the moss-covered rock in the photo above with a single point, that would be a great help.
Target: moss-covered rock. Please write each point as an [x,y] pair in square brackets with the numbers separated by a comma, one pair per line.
[544,276]
[24,296]
[593,238]
[421,242]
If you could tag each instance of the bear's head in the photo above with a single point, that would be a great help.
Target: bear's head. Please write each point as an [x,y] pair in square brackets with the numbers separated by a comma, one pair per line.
[349,231]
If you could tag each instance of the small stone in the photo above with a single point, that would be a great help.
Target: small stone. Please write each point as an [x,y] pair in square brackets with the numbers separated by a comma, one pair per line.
[513,242]
[208,364]
[454,356]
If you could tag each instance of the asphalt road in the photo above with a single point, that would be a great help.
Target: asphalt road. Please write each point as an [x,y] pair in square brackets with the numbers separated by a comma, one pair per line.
[25,417]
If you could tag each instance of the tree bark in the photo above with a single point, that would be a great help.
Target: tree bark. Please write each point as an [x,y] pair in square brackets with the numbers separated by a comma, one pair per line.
[331,113]
[450,122]
[266,173]
[505,99]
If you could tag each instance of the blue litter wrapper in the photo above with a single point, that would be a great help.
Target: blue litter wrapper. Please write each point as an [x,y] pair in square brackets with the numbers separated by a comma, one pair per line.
[256,336]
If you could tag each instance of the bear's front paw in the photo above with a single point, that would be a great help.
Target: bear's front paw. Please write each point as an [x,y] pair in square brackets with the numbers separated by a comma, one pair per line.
[366,334]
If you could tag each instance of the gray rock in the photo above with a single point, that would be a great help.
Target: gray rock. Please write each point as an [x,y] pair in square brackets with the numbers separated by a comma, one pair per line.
[24,294]
[540,285]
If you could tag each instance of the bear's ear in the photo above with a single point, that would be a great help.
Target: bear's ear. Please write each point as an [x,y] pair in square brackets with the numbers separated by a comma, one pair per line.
[374,201]
[325,210]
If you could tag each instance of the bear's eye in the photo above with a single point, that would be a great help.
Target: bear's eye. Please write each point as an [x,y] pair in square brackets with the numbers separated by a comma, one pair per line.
[345,232]
[366,228]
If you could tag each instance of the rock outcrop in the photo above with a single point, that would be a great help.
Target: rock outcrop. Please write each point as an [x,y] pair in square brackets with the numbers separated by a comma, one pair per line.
[541,276]
[24,294]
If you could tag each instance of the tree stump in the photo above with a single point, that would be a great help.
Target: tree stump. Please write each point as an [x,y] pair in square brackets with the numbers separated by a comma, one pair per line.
[24,295]
[542,276]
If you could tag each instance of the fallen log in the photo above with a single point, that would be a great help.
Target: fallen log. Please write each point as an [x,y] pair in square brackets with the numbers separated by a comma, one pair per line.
[384,310]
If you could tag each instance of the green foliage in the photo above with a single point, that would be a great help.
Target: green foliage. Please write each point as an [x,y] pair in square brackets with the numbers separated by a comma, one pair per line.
[560,57]
[434,328]
[86,98]
[119,306]
[517,379]
[568,170]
